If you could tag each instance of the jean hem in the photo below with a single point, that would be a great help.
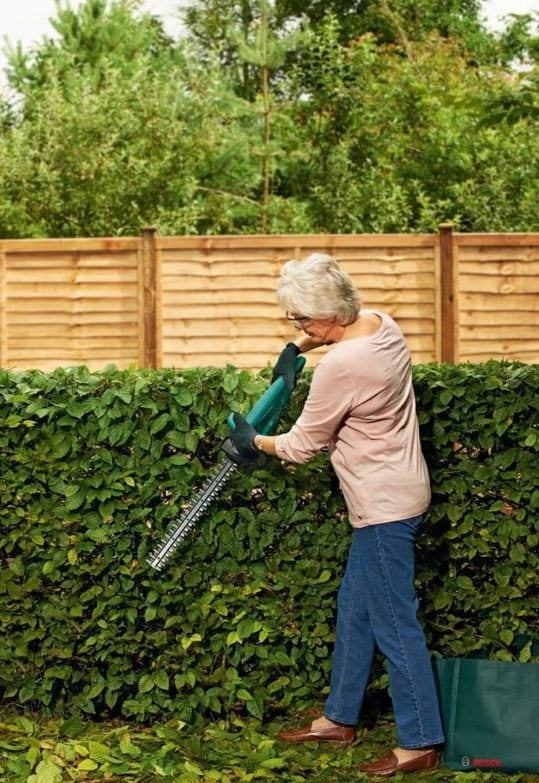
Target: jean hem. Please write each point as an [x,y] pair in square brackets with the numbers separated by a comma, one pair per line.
[422,744]
[339,721]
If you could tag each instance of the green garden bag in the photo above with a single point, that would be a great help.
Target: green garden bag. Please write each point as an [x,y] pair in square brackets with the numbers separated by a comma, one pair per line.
[490,713]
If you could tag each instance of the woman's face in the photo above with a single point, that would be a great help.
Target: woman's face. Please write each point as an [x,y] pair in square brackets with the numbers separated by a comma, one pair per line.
[325,330]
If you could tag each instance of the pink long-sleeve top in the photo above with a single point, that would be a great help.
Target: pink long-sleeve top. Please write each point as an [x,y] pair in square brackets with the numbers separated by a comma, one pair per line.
[361,406]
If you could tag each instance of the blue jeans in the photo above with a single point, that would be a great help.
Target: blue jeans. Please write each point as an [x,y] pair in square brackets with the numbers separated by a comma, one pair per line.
[377,607]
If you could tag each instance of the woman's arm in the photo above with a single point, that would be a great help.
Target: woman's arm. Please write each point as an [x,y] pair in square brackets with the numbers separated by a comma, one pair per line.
[268,443]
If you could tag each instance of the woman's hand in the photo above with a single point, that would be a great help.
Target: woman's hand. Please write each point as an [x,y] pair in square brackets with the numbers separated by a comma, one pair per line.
[286,366]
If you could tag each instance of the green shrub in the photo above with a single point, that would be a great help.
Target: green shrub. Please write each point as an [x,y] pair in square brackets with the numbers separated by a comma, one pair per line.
[95,466]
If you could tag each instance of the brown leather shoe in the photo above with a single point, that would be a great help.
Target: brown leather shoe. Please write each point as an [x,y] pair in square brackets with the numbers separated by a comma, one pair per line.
[342,734]
[389,764]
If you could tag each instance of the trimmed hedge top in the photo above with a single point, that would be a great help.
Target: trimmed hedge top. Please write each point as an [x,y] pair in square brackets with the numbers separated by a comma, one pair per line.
[94,466]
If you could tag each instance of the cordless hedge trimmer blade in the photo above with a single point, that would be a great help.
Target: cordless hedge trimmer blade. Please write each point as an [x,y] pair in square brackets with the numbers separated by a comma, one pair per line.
[264,417]
[181,528]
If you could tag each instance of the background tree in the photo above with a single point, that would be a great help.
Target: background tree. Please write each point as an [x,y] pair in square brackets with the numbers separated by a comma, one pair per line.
[266,52]
[255,120]
[215,28]
[92,39]
[519,41]
[395,142]
[387,20]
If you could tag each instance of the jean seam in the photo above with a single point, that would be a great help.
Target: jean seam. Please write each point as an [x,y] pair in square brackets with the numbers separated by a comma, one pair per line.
[395,623]
[347,644]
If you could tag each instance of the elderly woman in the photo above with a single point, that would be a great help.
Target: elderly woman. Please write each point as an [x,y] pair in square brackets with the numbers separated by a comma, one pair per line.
[361,407]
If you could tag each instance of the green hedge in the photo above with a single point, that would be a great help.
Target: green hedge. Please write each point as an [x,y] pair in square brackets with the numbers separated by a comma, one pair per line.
[94,466]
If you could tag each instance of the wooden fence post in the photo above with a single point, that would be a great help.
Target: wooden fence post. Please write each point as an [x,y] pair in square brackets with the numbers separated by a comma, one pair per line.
[447,293]
[149,303]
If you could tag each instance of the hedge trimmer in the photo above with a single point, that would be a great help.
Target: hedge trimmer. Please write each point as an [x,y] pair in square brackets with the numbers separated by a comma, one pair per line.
[264,417]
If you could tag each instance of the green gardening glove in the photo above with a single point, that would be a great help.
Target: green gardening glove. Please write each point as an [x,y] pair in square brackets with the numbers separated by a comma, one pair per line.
[286,366]
[240,445]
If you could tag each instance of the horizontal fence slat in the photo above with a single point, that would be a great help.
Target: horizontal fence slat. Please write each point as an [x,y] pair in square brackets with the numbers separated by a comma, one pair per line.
[44,331]
[75,306]
[71,277]
[500,240]
[77,244]
[500,268]
[54,343]
[518,331]
[526,254]
[215,268]
[307,243]
[497,317]
[498,347]
[520,354]
[498,284]
[75,356]
[46,261]
[44,290]
[473,302]
[70,320]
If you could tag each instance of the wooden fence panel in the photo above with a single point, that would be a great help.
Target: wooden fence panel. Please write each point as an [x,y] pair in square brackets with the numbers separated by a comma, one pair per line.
[218,293]
[498,281]
[69,302]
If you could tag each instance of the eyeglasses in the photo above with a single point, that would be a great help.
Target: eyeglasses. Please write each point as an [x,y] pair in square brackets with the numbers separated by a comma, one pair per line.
[297,319]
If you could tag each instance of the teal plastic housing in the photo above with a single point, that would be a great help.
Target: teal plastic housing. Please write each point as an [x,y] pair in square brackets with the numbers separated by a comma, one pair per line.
[265,414]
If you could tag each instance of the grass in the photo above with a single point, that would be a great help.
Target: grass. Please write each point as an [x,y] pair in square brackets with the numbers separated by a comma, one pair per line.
[37,749]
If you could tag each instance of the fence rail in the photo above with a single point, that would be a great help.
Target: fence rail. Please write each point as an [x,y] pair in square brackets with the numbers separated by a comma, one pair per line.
[157,301]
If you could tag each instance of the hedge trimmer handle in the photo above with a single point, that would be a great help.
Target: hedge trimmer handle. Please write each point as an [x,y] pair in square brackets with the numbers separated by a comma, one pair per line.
[265,414]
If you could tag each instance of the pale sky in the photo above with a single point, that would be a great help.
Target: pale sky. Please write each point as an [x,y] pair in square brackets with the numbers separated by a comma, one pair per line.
[27,20]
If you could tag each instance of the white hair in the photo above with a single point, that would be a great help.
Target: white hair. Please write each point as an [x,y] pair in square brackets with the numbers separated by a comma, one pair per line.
[316,287]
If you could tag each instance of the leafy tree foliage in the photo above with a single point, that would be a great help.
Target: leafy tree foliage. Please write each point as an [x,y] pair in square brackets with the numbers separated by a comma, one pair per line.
[520,39]
[395,142]
[84,164]
[385,18]
[259,121]
[90,41]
